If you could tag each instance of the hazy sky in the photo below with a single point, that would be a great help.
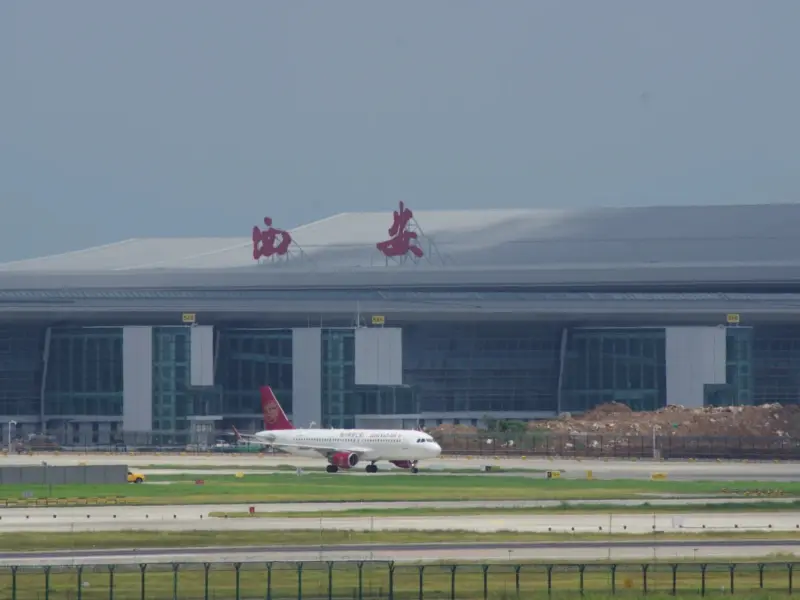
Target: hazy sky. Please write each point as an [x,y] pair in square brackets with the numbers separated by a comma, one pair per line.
[198,117]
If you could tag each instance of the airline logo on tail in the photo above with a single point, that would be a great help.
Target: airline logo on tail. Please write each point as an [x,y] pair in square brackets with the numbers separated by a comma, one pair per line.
[274,417]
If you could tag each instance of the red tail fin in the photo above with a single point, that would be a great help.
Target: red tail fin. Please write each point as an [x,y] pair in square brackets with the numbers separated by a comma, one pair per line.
[274,417]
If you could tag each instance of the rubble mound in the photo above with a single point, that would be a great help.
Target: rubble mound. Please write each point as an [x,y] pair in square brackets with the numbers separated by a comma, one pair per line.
[767,420]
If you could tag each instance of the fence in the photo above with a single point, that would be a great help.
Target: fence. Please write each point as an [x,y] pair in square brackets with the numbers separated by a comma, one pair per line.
[515,445]
[614,446]
[366,580]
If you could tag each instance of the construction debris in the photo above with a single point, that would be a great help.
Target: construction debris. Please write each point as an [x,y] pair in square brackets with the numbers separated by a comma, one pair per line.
[768,420]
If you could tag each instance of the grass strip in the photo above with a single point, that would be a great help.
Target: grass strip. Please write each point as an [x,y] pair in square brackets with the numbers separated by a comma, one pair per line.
[44,541]
[567,508]
[283,487]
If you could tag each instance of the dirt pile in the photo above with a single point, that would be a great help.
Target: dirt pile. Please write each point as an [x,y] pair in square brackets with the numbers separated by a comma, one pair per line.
[768,420]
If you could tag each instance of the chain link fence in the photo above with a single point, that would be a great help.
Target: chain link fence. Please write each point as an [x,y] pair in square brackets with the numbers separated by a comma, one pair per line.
[367,580]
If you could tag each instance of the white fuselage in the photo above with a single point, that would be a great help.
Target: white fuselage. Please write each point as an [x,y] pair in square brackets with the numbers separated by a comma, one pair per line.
[369,444]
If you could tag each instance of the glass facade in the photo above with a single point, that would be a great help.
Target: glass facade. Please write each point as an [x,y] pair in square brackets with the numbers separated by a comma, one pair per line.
[482,367]
[776,364]
[739,363]
[21,366]
[338,378]
[615,365]
[455,367]
[248,359]
[172,402]
[84,372]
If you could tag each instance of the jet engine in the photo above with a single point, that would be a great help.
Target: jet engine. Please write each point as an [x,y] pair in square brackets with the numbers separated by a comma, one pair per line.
[344,460]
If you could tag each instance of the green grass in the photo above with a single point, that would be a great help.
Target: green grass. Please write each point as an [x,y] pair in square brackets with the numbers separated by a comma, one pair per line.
[565,508]
[44,541]
[342,581]
[284,487]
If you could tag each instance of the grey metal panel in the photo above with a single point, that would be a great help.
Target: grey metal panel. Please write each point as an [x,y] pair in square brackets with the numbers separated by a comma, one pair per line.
[379,356]
[695,356]
[306,376]
[202,355]
[137,378]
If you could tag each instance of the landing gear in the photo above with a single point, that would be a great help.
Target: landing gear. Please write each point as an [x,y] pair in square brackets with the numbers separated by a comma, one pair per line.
[373,468]
[414,468]
[331,468]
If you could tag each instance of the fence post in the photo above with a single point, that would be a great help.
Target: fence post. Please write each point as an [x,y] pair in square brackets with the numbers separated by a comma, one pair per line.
[206,569]
[517,569]
[453,581]
[703,568]
[299,581]
[485,582]
[761,576]
[175,568]
[360,580]
[391,580]
[549,579]
[79,572]
[111,582]
[732,567]
[143,568]
[14,583]
[421,580]
[644,577]
[47,583]
[791,573]
[269,581]
[581,569]
[674,580]
[330,580]
[238,567]
[613,579]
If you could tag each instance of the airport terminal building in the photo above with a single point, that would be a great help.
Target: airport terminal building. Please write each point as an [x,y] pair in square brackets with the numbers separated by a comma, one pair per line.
[384,320]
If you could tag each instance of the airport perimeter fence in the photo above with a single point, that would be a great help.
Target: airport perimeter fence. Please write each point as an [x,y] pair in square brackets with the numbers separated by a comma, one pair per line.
[614,446]
[529,444]
[372,579]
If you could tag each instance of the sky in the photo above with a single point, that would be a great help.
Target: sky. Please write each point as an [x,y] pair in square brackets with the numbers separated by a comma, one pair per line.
[200,117]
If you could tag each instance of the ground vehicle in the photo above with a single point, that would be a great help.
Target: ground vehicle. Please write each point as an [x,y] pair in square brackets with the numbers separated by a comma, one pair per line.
[135,477]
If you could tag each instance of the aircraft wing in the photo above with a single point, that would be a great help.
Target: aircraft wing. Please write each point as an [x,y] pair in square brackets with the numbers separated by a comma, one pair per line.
[324,450]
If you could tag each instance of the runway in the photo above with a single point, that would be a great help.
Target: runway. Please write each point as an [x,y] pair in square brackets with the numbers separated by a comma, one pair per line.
[540,551]
[195,518]
[570,468]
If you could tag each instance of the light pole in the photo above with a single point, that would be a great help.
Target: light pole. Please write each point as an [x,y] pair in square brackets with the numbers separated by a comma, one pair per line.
[10,423]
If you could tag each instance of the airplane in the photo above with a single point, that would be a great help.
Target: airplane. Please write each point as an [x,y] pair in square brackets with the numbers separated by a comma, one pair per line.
[343,448]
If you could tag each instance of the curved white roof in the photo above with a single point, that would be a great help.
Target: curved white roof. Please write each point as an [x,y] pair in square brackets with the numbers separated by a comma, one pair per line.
[605,237]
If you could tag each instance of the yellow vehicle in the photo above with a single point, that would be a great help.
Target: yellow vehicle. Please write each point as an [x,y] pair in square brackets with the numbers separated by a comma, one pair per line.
[135,477]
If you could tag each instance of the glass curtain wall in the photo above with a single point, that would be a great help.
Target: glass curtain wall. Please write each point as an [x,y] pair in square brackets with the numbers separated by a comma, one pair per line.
[483,367]
[775,363]
[615,365]
[84,372]
[339,405]
[248,359]
[20,370]
[738,363]
[171,378]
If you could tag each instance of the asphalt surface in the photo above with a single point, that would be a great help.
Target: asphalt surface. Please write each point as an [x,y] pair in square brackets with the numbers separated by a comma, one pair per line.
[540,551]
[601,469]
[193,518]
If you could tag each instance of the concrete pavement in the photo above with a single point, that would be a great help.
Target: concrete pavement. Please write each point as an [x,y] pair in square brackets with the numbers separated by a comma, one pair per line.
[546,551]
[193,518]
[570,468]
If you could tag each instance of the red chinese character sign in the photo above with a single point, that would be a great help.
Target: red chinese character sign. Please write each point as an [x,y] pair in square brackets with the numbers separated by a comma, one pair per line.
[402,240]
[271,241]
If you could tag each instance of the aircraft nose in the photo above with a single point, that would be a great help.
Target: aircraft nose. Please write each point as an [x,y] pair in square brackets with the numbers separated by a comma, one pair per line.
[437,449]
